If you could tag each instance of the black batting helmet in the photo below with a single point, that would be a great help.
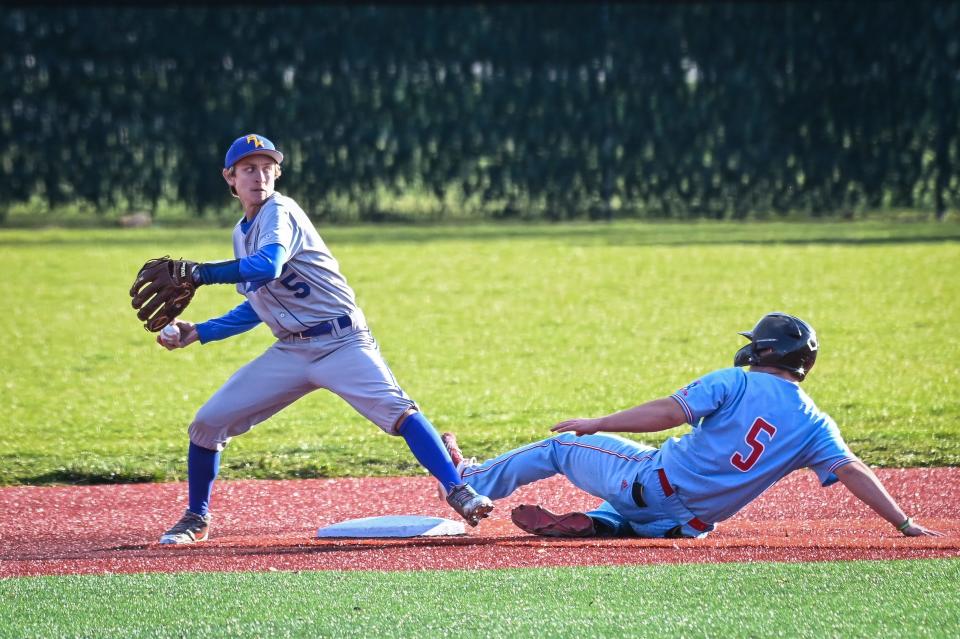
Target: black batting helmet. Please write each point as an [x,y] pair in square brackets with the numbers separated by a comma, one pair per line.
[781,341]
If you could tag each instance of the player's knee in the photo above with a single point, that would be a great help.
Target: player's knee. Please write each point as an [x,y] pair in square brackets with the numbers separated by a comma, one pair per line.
[203,420]
[398,424]
[205,431]
[559,448]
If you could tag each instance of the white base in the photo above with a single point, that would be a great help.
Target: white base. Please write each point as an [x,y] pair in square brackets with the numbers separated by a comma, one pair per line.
[393,526]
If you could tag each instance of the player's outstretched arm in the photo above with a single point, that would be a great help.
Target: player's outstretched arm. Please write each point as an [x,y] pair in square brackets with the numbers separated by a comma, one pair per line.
[263,266]
[860,480]
[660,414]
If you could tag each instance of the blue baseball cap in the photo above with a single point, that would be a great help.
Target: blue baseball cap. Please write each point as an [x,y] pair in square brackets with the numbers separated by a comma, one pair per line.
[249,145]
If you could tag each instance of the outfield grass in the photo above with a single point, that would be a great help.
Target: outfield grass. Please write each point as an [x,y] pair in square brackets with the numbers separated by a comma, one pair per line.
[855,599]
[497,331]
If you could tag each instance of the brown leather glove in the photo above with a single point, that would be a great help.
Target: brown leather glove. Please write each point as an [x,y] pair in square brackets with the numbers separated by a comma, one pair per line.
[162,290]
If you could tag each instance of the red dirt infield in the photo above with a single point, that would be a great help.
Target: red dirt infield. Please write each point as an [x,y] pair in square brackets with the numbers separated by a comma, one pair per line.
[270,525]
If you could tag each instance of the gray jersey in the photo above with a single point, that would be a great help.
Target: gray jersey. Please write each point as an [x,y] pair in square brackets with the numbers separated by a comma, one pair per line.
[345,360]
[311,288]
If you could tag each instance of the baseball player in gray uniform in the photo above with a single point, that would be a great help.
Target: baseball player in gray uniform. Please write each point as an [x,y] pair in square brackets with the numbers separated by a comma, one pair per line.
[293,284]
[750,428]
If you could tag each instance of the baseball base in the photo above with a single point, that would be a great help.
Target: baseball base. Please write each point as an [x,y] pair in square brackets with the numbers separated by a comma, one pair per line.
[393,526]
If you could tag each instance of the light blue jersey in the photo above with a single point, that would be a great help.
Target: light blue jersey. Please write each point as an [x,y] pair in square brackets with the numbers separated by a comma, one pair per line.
[750,429]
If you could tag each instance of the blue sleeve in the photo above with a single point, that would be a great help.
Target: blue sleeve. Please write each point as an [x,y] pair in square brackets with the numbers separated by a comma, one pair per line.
[828,452]
[239,320]
[263,266]
[705,396]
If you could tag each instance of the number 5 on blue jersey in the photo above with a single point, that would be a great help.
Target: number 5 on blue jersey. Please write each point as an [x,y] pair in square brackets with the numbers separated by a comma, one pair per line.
[300,289]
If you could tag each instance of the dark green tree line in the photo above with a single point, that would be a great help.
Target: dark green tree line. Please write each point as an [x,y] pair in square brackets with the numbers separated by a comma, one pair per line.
[720,110]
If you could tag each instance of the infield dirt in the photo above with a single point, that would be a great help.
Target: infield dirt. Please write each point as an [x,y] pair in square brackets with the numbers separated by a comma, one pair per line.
[270,525]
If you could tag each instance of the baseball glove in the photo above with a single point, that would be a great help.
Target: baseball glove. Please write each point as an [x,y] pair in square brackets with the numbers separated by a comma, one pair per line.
[162,290]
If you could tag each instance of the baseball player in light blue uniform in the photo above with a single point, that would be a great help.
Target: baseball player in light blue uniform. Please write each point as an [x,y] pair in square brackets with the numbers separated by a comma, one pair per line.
[750,428]
[293,284]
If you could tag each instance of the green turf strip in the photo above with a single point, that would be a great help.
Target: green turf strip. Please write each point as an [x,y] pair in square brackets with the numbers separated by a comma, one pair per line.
[498,331]
[843,599]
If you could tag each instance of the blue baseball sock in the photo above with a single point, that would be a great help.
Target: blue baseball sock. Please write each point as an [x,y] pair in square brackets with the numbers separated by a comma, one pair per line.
[425,444]
[203,465]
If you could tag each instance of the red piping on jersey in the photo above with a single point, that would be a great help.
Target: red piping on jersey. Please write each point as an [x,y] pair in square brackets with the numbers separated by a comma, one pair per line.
[841,462]
[684,406]
[604,450]
[544,444]
[477,471]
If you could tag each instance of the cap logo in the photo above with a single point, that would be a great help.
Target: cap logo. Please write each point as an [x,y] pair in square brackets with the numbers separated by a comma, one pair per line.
[255,140]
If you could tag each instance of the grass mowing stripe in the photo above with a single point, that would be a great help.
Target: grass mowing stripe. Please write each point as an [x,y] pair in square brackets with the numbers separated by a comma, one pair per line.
[496,331]
[866,598]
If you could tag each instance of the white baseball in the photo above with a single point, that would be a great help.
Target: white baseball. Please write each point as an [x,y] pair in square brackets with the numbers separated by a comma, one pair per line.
[170,335]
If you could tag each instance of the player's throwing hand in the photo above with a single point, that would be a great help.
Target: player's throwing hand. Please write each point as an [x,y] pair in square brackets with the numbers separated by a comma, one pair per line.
[184,335]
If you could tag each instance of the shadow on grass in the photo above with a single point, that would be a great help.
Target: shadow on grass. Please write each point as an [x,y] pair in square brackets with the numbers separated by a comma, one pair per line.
[88,478]
[281,465]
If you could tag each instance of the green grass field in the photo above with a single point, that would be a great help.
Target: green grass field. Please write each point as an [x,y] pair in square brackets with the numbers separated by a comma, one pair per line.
[843,599]
[497,331]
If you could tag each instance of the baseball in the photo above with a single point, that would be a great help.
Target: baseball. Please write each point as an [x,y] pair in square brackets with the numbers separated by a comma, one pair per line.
[170,335]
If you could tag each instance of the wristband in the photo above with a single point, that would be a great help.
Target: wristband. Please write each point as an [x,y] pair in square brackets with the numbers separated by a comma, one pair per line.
[906,524]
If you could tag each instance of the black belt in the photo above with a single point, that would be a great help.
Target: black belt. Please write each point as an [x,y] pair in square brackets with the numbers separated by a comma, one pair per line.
[325,327]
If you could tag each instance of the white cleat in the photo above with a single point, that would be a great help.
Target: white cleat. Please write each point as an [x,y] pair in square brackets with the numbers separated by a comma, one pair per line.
[471,505]
[189,530]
